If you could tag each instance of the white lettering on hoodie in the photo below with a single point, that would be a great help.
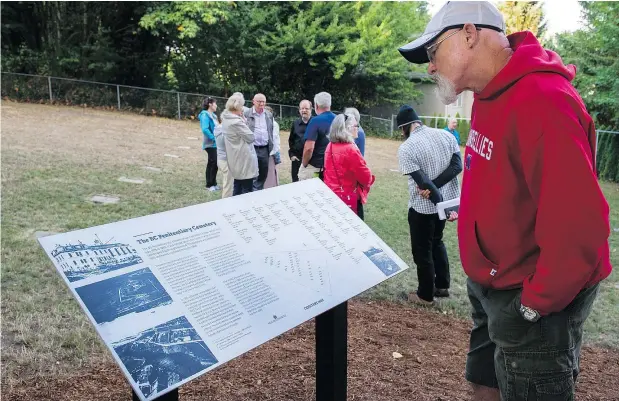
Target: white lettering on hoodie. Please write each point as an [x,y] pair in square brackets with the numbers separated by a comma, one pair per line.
[480,144]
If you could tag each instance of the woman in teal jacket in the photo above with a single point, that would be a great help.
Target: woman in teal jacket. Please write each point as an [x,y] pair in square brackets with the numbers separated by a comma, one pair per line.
[208,121]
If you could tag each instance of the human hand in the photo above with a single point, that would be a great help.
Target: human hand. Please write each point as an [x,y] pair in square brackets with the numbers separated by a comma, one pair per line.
[453,216]
[425,193]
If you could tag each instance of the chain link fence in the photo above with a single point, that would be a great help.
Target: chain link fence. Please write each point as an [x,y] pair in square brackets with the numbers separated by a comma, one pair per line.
[145,101]
[606,146]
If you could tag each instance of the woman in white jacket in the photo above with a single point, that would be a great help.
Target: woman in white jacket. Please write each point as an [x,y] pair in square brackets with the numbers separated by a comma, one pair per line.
[272,179]
[239,141]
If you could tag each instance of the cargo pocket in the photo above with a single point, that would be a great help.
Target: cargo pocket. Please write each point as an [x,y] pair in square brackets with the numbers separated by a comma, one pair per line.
[558,388]
[539,376]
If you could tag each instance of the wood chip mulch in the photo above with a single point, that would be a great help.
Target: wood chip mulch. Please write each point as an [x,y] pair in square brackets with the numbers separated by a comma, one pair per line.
[433,348]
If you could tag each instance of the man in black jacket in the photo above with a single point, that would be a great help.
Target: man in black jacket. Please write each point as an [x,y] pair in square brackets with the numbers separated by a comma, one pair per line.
[295,140]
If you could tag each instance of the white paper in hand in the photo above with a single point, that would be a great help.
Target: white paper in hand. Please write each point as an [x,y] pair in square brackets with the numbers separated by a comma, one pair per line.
[445,208]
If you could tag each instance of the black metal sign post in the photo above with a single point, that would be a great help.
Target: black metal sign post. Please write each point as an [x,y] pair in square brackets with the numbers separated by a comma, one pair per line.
[171,396]
[331,357]
[332,354]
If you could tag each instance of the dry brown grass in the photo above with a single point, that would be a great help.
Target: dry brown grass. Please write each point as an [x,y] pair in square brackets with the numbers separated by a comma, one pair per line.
[54,158]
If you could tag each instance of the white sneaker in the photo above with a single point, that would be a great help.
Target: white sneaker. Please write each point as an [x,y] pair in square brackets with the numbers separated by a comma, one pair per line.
[212,189]
[217,188]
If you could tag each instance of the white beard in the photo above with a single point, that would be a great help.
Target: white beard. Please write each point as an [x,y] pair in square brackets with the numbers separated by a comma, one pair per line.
[445,90]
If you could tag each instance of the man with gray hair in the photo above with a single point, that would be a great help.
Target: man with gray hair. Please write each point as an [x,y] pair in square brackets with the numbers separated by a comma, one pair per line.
[451,128]
[317,138]
[260,122]
[534,261]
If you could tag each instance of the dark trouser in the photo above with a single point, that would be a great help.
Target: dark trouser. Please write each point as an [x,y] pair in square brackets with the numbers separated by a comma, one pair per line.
[263,166]
[296,165]
[241,187]
[429,253]
[211,167]
[360,209]
[526,361]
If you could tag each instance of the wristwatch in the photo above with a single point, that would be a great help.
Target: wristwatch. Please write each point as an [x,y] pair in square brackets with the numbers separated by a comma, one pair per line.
[529,314]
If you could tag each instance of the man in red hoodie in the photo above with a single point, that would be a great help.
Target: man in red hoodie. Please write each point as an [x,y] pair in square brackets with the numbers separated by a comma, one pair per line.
[533,223]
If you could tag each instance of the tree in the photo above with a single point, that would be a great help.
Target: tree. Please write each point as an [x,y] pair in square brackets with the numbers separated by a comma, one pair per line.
[293,50]
[287,50]
[99,41]
[523,16]
[595,52]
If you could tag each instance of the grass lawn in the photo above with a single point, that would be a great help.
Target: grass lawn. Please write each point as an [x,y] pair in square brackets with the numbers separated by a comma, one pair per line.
[55,158]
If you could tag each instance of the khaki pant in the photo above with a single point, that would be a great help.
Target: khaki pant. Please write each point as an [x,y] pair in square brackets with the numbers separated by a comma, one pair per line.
[228,181]
[309,172]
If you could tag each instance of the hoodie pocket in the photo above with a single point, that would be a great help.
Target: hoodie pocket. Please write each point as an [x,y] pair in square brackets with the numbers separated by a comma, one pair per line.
[480,250]
[474,261]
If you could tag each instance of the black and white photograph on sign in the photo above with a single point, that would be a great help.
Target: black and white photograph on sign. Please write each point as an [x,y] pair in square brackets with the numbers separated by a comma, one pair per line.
[118,296]
[382,261]
[82,260]
[306,268]
[164,355]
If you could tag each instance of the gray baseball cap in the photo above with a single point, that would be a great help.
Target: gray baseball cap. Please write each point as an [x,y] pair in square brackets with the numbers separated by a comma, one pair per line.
[453,14]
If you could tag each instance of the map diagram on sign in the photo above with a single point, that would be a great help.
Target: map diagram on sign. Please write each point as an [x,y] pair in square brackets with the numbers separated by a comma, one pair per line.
[305,268]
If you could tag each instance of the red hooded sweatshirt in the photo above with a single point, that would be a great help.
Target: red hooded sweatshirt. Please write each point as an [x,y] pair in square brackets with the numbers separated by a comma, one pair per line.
[532,213]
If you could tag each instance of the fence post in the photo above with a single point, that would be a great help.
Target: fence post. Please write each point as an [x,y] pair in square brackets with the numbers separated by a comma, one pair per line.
[280,112]
[436,122]
[595,168]
[391,130]
[49,84]
[178,100]
[118,95]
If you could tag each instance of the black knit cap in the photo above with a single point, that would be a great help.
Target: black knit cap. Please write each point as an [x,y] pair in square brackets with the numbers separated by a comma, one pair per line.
[406,115]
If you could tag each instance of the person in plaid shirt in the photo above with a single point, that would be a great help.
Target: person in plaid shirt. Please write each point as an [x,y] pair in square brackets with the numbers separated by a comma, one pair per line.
[431,159]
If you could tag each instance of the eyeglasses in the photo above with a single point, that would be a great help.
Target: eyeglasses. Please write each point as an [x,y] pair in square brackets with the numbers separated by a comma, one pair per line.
[432,49]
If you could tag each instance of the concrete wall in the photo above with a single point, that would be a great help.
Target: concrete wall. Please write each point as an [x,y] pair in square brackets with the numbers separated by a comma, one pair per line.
[462,106]
[429,104]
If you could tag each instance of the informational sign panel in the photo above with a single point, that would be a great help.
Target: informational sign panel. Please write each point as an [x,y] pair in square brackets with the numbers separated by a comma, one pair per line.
[176,294]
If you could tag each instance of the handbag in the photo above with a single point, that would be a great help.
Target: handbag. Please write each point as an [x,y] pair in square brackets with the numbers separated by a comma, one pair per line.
[350,198]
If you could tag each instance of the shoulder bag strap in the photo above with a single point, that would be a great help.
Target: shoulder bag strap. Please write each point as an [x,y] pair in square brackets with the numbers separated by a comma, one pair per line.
[335,169]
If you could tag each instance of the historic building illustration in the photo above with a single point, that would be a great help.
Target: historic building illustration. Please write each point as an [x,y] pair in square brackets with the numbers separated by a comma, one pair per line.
[84,260]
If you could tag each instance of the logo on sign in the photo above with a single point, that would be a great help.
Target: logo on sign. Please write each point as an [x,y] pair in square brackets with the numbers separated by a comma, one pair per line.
[277,318]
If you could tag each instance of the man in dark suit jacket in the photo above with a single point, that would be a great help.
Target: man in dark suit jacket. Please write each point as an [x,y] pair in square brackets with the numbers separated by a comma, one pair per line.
[296,139]
[260,122]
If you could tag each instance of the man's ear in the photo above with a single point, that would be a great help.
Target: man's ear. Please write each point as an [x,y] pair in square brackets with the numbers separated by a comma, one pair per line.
[471,34]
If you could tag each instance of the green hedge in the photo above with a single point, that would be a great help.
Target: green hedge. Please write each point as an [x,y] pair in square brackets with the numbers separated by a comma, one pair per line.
[463,126]
[285,123]
[608,156]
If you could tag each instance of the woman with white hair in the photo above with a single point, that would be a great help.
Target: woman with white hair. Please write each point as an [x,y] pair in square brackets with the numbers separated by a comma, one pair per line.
[239,143]
[346,171]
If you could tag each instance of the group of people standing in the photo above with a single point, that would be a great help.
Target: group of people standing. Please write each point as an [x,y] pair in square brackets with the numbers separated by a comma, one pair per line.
[244,143]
